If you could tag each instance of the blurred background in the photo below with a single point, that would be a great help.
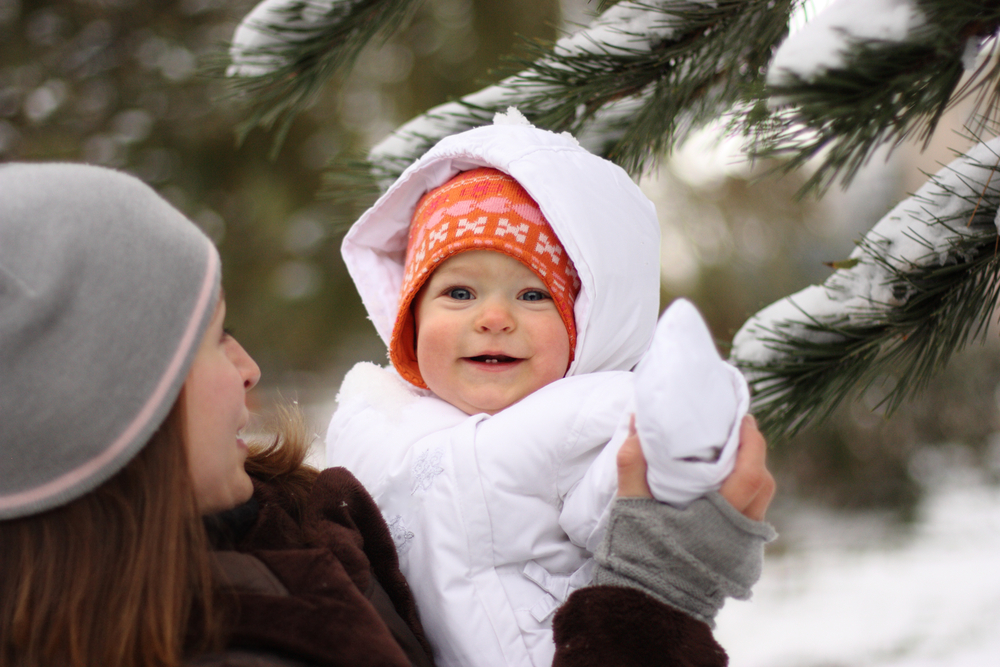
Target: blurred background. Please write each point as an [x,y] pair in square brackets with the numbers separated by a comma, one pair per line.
[124,83]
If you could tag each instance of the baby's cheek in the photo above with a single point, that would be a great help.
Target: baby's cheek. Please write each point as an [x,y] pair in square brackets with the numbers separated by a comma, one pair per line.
[558,346]
[430,364]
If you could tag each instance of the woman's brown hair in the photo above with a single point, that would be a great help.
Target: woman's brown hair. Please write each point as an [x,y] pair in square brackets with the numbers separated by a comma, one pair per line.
[121,577]
[113,578]
[282,460]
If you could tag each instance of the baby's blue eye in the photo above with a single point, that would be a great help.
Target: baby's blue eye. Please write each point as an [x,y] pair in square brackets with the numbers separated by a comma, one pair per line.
[460,293]
[534,295]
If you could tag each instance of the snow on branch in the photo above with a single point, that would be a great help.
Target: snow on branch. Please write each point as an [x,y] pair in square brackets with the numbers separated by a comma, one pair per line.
[919,286]
[630,86]
[870,72]
[824,43]
[284,51]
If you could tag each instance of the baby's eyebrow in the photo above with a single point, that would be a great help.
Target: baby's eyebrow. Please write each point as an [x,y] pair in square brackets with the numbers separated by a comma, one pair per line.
[452,274]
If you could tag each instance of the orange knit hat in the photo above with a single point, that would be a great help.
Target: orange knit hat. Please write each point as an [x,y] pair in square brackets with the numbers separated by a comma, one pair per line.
[481,209]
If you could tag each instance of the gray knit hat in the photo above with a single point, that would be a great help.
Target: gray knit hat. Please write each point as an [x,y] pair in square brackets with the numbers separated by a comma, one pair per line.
[105,294]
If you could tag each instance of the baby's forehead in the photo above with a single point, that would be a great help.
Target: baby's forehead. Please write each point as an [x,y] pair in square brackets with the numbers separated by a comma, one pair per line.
[484,261]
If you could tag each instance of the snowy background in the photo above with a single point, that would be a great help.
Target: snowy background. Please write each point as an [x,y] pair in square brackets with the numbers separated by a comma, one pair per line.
[861,591]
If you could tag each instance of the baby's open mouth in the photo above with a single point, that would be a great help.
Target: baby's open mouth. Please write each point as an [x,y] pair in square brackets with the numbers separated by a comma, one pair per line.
[494,359]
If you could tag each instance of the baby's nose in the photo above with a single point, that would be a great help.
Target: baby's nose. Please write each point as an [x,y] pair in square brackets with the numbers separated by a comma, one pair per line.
[495,315]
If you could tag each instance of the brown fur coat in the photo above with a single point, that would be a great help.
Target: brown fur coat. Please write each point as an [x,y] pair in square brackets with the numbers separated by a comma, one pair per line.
[320,585]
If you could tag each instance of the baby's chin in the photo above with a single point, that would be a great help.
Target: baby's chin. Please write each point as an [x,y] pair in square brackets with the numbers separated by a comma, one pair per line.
[487,403]
[477,403]
[472,409]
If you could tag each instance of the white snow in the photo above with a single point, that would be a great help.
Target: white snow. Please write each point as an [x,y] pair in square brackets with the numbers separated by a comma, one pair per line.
[439,122]
[970,55]
[511,117]
[625,27]
[855,593]
[266,27]
[908,236]
[823,42]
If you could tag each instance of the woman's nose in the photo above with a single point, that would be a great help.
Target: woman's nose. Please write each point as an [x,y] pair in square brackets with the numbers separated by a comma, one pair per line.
[248,368]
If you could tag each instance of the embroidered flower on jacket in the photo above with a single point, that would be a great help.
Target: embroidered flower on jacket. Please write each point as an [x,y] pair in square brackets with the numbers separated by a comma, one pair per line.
[400,535]
[427,467]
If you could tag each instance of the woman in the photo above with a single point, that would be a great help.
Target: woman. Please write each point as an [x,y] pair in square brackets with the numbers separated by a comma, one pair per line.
[123,400]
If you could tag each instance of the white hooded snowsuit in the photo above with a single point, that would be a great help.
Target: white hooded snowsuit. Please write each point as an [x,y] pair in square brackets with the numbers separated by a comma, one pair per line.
[495,517]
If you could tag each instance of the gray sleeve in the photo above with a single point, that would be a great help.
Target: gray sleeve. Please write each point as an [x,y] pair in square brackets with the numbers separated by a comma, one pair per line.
[691,559]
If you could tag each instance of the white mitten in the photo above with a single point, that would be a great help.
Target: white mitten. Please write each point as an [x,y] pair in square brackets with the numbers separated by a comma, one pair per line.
[689,406]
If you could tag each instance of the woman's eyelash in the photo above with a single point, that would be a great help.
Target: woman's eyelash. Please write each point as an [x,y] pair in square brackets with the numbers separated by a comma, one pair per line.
[227,331]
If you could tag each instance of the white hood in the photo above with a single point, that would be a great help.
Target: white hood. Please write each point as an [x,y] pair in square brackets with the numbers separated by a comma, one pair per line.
[605,223]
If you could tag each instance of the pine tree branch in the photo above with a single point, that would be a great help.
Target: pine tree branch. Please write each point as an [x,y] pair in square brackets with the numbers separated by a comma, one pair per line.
[883,92]
[950,308]
[631,86]
[283,54]
[922,285]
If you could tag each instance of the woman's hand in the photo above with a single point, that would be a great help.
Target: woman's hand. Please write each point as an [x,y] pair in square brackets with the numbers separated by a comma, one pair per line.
[632,467]
[749,487]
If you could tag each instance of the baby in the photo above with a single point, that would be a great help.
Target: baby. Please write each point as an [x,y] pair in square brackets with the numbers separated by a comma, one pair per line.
[515,278]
